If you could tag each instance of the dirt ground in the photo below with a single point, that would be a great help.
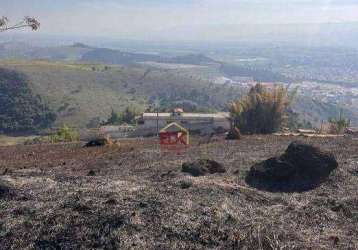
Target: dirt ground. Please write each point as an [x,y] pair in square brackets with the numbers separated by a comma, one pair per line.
[134,197]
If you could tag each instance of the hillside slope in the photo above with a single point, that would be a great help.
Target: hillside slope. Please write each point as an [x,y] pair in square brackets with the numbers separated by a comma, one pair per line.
[82,92]
[20,109]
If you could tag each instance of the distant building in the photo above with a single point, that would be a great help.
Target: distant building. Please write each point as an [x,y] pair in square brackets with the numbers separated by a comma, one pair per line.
[151,123]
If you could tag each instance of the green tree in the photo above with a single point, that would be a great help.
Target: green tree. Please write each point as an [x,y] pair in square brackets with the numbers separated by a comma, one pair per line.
[129,114]
[338,126]
[114,118]
[125,117]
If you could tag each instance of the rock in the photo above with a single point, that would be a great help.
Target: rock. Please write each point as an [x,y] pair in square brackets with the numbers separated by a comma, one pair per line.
[91,173]
[4,189]
[202,167]
[6,171]
[301,167]
[185,184]
[274,169]
[99,142]
[111,202]
[234,134]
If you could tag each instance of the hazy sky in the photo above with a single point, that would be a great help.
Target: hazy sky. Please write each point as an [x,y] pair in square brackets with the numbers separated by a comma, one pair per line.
[176,19]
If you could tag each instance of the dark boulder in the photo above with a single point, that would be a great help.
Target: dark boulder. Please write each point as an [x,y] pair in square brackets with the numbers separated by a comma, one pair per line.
[99,142]
[202,167]
[233,134]
[91,173]
[300,168]
[4,189]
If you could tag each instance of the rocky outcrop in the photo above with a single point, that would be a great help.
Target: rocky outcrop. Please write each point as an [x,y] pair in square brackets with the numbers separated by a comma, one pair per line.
[203,167]
[301,167]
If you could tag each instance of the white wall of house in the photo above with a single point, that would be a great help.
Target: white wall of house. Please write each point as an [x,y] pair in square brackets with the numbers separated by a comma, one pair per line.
[198,123]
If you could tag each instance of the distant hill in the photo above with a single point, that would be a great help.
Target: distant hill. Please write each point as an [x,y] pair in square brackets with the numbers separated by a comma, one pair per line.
[111,56]
[25,51]
[194,59]
[85,53]
[259,75]
[81,45]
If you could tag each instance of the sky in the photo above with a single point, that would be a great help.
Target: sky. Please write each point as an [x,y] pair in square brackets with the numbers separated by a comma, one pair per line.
[178,19]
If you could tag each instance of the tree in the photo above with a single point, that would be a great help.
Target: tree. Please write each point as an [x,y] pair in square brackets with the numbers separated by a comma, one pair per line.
[262,111]
[114,118]
[26,22]
[125,117]
[129,114]
[338,126]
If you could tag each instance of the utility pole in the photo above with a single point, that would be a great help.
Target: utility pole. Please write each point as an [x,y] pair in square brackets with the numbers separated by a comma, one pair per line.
[157,102]
[157,122]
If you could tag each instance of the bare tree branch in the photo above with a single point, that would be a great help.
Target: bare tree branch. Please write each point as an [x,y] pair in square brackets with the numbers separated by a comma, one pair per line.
[26,22]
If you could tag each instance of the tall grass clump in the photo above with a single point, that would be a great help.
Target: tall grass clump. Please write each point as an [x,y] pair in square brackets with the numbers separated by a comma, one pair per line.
[262,111]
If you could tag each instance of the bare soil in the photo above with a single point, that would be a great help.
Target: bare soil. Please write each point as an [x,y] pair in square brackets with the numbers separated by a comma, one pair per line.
[133,197]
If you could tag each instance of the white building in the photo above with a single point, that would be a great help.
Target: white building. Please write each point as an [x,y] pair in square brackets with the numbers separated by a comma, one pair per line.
[150,123]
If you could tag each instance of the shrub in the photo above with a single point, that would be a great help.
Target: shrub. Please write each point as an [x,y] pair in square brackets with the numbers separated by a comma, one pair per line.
[338,126]
[125,117]
[262,111]
[64,134]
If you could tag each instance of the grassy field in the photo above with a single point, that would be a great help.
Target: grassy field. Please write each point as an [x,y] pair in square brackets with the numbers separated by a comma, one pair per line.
[133,197]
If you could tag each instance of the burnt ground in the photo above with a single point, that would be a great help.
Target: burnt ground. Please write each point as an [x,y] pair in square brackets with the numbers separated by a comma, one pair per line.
[133,197]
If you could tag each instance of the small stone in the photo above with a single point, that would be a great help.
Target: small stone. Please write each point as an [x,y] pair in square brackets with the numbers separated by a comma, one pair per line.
[202,167]
[185,184]
[91,173]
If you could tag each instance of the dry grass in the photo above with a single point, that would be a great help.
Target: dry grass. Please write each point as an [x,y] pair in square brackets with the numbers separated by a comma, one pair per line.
[137,198]
[11,140]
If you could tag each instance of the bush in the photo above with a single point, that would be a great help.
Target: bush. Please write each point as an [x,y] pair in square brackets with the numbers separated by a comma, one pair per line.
[338,126]
[262,111]
[64,134]
[125,117]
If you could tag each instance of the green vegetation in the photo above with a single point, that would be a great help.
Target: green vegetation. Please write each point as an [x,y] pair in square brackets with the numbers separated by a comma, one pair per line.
[338,126]
[262,111]
[125,117]
[64,134]
[20,109]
